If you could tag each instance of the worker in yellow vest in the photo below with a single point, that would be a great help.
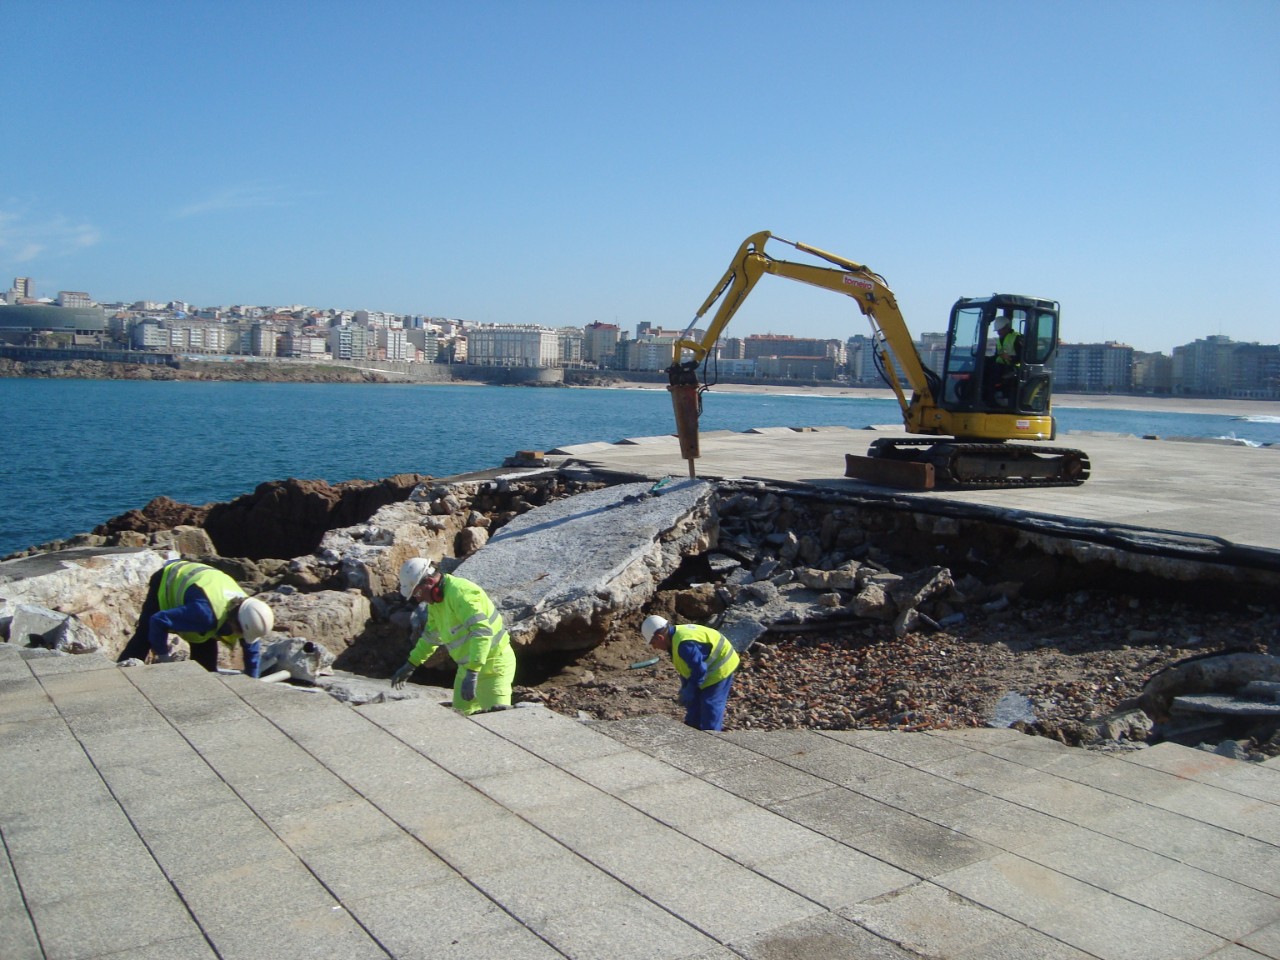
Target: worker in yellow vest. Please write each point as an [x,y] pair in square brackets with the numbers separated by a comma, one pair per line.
[1002,366]
[706,662]
[199,603]
[462,619]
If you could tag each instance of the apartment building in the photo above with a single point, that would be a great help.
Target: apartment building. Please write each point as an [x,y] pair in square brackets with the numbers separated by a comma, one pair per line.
[524,345]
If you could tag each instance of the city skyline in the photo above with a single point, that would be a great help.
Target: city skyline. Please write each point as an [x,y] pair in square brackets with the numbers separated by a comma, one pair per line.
[567,163]
[173,311]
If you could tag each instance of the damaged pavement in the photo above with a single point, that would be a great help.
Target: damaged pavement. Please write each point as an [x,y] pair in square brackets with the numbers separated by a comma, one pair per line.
[573,562]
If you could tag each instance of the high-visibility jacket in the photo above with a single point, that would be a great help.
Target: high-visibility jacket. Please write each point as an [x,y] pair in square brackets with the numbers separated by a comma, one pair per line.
[178,577]
[465,622]
[1007,349]
[718,654]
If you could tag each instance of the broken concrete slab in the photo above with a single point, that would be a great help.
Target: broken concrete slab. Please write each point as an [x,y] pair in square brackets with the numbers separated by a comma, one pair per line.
[357,690]
[573,566]
[1224,704]
[27,624]
[304,660]
[1205,674]
[103,588]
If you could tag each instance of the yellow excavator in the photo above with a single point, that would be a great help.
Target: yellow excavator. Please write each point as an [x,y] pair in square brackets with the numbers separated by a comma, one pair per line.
[993,390]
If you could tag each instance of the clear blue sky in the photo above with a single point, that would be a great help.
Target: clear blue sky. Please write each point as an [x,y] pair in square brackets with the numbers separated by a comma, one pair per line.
[568,161]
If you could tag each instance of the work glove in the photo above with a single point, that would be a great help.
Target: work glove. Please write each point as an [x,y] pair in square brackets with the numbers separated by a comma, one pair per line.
[468,691]
[400,676]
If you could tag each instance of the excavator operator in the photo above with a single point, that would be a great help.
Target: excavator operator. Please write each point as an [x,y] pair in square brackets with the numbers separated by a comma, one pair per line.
[1002,369]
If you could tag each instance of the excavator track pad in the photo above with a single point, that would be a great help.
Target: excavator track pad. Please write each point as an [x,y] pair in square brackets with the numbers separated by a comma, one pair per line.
[957,465]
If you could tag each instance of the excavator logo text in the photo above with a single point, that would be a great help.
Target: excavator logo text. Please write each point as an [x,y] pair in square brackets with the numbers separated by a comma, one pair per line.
[858,282]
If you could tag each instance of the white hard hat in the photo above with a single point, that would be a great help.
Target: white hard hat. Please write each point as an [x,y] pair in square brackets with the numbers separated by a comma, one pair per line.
[1002,322]
[652,625]
[413,572]
[256,619]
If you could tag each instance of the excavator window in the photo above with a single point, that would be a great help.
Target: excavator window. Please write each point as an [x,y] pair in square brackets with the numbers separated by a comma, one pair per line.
[963,350]
[1044,336]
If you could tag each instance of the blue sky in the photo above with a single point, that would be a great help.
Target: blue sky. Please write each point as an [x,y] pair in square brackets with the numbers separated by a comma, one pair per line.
[563,162]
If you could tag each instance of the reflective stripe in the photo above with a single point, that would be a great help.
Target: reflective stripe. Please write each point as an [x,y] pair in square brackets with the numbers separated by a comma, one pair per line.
[719,655]
[471,641]
[719,661]
[185,576]
[476,628]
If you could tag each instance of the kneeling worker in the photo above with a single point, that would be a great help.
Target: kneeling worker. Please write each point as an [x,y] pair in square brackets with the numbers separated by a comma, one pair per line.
[705,660]
[199,603]
[462,618]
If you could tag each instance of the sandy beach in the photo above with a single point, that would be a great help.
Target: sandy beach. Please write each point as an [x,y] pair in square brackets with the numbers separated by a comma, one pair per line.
[1229,408]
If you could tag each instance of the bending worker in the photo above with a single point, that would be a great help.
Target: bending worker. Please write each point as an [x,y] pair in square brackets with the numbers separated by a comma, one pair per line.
[462,618]
[199,603]
[706,662]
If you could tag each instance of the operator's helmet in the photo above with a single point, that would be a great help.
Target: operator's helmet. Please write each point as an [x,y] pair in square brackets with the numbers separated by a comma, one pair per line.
[413,572]
[651,626]
[255,618]
[1003,323]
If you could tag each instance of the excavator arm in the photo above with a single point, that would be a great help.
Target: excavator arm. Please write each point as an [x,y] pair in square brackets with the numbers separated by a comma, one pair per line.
[890,335]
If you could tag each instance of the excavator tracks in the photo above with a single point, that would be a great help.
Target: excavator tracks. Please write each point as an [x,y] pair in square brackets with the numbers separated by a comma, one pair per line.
[957,465]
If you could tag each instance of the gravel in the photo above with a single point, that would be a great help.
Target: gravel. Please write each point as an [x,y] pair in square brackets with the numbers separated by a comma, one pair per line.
[1073,661]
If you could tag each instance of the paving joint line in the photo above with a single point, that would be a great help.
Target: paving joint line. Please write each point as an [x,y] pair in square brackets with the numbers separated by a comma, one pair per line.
[407,832]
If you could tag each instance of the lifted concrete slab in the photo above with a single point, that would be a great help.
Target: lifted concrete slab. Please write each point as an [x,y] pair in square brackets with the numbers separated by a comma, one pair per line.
[578,563]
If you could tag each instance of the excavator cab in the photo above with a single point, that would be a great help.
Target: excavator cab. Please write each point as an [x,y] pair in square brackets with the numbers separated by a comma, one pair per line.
[999,355]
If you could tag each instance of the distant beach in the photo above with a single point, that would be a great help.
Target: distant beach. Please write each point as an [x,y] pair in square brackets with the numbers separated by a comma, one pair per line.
[1226,408]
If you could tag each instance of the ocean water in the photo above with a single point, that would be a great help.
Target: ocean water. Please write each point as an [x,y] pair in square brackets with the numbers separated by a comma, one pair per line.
[79,452]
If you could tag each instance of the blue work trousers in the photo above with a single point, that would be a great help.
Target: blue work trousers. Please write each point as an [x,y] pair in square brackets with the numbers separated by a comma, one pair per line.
[705,708]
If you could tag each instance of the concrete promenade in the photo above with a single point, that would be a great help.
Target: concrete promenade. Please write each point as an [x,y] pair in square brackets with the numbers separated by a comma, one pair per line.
[1196,500]
[164,812]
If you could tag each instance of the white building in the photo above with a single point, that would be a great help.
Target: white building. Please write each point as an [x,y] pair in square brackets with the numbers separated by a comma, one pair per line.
[304,347]
[513,346]
[393,344]
[350,342]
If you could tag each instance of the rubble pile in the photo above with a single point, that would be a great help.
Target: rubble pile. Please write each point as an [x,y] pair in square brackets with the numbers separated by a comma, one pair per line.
[857,637]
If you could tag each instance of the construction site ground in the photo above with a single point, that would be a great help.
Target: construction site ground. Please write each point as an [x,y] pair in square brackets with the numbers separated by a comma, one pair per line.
[1076,661]
[1076,657]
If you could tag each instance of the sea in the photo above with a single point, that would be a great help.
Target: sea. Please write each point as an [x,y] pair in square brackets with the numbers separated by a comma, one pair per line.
[80,452]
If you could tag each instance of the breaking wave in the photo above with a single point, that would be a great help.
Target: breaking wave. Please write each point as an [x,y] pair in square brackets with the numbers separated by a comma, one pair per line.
[1241,441]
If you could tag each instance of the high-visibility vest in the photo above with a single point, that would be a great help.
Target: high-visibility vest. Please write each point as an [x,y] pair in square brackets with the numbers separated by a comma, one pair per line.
[465,622]
[718,653]
[1008,345]
[220,590]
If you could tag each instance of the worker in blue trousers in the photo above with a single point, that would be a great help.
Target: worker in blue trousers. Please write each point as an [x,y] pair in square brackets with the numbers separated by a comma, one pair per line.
[203,606]
[706,662]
